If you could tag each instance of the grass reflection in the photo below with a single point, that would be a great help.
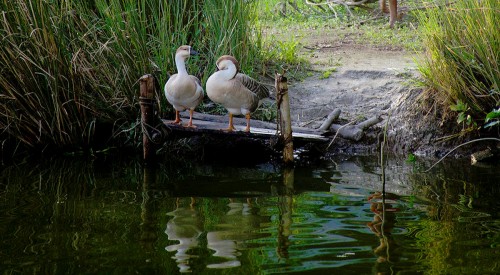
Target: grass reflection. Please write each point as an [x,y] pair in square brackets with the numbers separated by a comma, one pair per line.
[114,215]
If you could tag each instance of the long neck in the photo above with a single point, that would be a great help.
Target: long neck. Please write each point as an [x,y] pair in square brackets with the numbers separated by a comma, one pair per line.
[229,72]
[181,65]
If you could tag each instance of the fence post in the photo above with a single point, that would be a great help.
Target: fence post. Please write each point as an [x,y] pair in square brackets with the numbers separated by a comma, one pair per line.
[285,121]
[147,102]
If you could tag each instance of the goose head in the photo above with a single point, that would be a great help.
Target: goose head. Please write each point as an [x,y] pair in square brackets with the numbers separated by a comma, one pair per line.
[228,64]
[184,51]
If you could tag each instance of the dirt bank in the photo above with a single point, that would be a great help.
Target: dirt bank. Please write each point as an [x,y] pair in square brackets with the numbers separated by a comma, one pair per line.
[366,81]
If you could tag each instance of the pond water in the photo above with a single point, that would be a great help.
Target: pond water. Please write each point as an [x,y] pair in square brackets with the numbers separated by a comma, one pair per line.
[112,216]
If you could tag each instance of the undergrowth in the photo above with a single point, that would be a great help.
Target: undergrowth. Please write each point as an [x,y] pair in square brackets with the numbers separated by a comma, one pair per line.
[461,62]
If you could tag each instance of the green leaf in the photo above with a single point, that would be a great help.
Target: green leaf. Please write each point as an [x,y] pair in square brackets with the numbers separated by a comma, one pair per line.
[461,117]
[493,114]
[459,107]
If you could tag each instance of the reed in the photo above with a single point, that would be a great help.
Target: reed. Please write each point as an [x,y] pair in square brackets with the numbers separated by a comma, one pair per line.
[461,63]
[71,68]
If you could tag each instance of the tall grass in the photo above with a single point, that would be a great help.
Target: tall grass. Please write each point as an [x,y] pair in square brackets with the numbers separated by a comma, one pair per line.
[70,67]
[462,55]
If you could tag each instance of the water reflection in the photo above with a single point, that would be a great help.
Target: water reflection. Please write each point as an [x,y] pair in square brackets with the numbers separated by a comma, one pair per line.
[224,241]
[237,226]
[185,227]
[115,217]
[382,225]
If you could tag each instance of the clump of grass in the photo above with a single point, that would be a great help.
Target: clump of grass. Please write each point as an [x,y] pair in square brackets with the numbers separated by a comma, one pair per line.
[461,63]
[71,68]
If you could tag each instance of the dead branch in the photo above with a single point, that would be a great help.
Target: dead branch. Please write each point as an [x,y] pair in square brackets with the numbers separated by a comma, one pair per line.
[347,131]
[369,122]
[334,115]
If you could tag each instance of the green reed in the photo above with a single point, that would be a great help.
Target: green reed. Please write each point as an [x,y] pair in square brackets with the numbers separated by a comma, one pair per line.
[70,69]
[462,59]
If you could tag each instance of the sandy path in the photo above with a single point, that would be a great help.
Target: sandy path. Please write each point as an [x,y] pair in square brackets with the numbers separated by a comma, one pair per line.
[366,83]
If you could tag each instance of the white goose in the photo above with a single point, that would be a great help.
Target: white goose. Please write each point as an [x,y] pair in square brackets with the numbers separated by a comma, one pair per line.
[237,92]
[182,90]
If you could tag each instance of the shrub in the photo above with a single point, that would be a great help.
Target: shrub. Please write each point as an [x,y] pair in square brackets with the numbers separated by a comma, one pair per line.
[461,63]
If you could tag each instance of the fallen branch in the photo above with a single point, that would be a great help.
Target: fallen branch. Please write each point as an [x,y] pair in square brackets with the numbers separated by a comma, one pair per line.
[485,155]
[334,115]
[348,131]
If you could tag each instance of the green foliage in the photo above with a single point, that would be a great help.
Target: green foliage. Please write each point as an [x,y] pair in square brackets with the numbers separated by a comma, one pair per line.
[463,116]
[461,61]
[411,158]
[70,67]
[492,118]
[283,55]
[326,74]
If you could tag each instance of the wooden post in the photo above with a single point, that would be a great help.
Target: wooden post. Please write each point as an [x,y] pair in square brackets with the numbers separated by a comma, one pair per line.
[146,100]
[285,121]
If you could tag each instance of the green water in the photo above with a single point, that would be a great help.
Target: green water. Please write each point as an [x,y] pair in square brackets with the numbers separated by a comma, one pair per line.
[112,216]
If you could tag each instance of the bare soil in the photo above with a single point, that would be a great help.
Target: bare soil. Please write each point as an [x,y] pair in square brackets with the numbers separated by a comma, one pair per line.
[365,81]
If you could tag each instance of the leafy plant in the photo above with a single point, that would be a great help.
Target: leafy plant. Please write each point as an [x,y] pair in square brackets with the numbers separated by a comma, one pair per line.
[462,109]
[326,74]
[492,118]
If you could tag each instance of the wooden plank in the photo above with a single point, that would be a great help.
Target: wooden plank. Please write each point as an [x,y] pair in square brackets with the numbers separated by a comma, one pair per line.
[212,124]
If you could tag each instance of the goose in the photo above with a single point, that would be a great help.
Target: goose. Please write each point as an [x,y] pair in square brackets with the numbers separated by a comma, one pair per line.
[237,92]
[182,90]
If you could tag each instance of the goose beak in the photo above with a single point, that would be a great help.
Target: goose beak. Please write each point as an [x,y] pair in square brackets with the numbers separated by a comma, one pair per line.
[193,52]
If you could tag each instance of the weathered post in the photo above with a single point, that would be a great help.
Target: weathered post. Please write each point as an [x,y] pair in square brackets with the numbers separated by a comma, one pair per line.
[285,121]
[146,100]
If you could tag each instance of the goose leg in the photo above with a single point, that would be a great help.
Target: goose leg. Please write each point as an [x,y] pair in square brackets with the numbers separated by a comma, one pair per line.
[247,129]
[177,118]
[230,128]
[190,123]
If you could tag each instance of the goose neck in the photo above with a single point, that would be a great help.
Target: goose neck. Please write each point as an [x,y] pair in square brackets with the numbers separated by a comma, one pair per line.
[230,71]
[181,65]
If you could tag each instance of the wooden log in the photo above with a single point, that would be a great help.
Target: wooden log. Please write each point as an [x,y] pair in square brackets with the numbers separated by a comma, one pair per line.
[369,122]
[482,156]
[334,115]
[283,103]
[351,132]
[147,101]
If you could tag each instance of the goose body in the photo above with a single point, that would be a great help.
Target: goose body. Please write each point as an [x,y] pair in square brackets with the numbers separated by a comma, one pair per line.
[182,90]
[237,92]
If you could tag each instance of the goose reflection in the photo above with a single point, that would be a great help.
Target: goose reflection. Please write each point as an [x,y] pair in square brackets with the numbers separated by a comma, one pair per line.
[237,226]
[186,226]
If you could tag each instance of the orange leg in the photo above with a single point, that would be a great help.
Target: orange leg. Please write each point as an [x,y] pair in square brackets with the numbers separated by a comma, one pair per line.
[177,118]
[190,123]
[393,9]
[230,128]
[247,129]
